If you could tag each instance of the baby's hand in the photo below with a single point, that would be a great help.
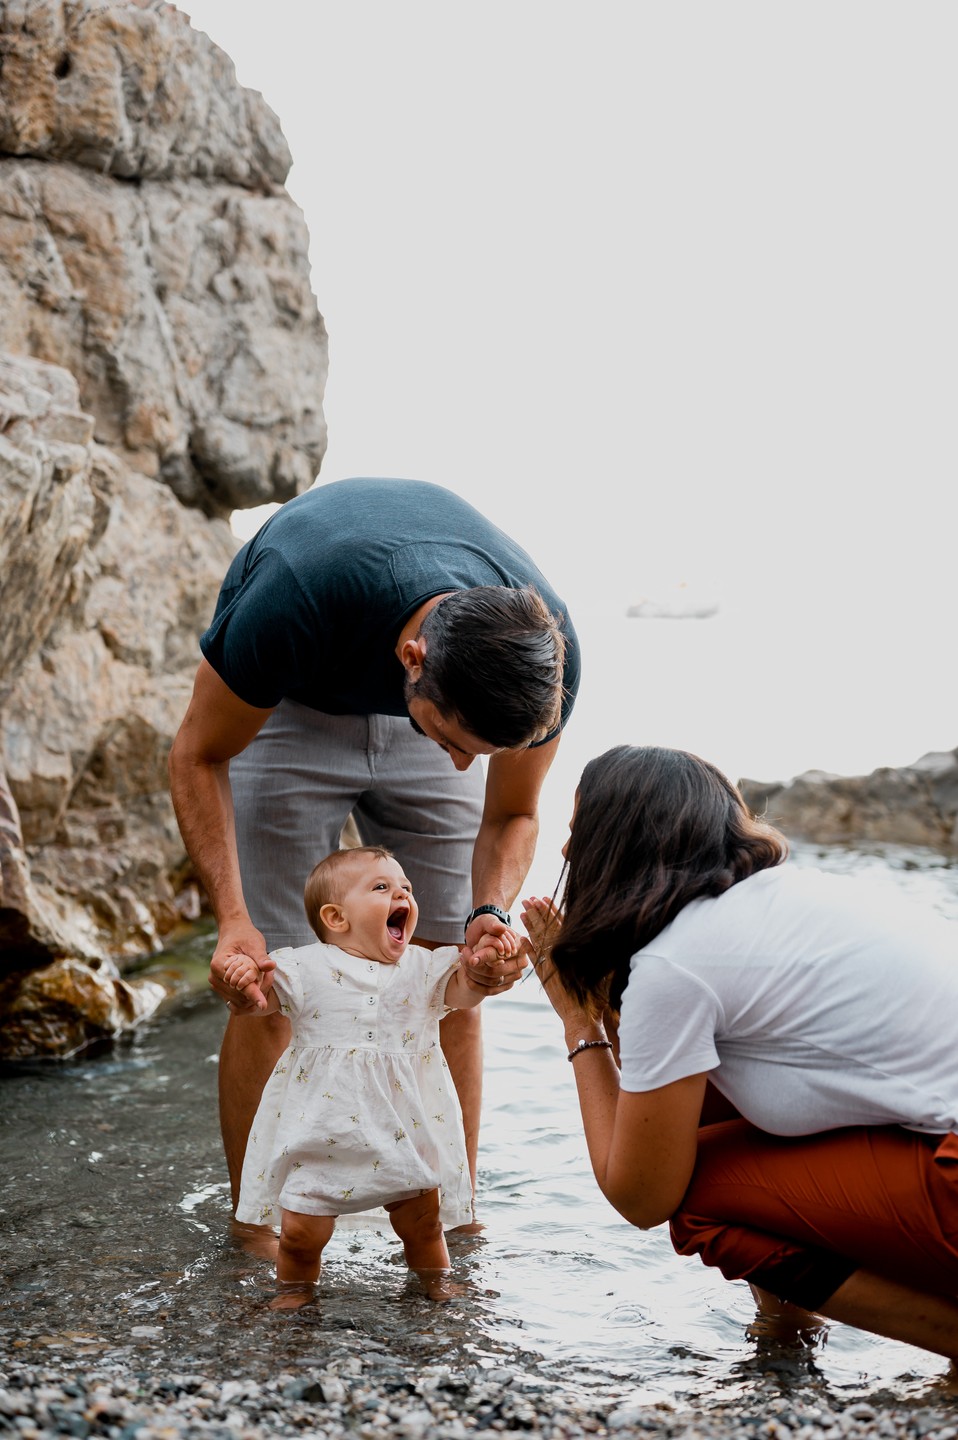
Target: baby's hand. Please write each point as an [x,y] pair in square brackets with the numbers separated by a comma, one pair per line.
[542,921]
[240,973]
[489,971]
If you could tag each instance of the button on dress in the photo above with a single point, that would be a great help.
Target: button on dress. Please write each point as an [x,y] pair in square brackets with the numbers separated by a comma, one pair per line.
[360,1109]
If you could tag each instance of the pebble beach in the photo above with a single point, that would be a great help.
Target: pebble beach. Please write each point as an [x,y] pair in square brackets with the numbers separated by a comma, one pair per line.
[364,1389]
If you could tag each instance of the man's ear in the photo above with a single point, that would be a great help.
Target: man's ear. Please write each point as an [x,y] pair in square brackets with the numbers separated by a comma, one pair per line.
[412,654]
[333,918]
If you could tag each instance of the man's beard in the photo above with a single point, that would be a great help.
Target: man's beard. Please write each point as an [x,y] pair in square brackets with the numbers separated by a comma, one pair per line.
[409,693]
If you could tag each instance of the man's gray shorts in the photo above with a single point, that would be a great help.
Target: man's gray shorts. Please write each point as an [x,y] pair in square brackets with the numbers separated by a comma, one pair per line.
[302,776]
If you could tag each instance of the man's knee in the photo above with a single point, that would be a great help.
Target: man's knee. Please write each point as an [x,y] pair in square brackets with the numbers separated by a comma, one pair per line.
[250,1050]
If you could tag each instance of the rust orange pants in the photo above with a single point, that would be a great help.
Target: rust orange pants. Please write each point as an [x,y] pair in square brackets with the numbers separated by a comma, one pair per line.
[797,1215]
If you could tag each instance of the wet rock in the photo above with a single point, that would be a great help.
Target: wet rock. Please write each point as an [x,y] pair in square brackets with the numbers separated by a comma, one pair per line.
[56,1011]
[916,805]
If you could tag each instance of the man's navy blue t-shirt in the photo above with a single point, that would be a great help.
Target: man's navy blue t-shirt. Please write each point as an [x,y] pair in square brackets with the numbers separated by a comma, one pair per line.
[311,608]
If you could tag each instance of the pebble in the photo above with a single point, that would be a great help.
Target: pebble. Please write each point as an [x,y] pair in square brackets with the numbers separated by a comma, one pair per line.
[384,1395]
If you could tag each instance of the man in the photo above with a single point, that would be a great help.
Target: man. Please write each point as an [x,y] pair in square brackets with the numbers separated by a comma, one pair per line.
[359,607]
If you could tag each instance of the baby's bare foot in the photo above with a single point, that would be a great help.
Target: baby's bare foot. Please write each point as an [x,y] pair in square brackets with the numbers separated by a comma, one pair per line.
[470,1227]
[292,1295]
[259,1240]
[439,1285]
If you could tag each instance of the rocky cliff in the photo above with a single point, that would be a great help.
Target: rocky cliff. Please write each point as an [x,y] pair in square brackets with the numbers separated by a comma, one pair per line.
[162,363]
[916,805]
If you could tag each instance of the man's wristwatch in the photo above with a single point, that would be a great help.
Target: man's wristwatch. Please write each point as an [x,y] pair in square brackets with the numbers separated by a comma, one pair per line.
[487,910]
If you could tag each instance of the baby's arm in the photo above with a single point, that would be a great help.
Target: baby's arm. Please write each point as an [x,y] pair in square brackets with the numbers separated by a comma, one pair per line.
[239,972]
[463,992]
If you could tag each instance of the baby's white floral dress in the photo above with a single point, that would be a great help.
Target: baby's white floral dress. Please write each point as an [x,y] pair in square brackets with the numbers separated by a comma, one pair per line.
[361,1109]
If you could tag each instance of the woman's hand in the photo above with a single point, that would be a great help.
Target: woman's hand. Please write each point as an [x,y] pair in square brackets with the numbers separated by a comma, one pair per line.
[543,923]
[641,1146]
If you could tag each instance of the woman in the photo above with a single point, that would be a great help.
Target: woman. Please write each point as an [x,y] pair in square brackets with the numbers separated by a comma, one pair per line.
[822,1010]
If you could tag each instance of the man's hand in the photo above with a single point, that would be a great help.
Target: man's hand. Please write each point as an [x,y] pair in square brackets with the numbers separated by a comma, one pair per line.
[239,973]
[487,971]
[487,930]
[492,944]
[243,946]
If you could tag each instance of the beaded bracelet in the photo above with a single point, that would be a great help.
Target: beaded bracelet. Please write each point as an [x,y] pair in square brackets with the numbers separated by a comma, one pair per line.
[588,1045]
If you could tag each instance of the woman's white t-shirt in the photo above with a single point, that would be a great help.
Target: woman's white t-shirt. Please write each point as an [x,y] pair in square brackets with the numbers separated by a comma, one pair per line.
[813,1000]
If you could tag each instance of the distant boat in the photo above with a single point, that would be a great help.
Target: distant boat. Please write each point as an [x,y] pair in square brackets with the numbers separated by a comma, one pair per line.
[678,604]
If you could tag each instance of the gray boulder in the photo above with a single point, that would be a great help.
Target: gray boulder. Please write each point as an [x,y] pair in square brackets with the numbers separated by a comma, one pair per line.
[916,805]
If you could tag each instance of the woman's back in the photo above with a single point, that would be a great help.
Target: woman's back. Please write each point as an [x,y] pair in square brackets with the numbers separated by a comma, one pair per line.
[823,1000]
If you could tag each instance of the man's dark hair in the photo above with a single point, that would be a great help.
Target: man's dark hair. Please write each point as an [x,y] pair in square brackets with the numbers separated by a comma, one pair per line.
[494,663]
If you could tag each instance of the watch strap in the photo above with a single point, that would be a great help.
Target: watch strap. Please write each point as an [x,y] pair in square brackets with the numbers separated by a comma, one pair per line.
[488,910]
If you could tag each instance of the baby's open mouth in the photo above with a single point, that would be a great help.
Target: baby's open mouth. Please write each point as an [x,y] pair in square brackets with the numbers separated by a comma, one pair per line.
[396,924]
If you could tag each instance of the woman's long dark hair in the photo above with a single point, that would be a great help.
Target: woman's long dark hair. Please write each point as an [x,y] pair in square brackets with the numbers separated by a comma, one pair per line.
[653,829]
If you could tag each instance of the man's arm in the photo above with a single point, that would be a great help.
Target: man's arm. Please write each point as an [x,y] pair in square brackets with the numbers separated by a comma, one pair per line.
[506,840]
[217,726]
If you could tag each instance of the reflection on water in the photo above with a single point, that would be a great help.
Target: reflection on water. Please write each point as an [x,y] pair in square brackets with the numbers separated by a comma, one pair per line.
[114,1231]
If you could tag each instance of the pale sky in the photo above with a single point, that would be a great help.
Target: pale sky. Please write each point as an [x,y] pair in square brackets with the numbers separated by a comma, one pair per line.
[668,290]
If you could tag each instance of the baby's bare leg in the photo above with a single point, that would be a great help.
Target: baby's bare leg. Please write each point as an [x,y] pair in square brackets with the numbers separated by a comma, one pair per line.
[418,1226]
[302,1240]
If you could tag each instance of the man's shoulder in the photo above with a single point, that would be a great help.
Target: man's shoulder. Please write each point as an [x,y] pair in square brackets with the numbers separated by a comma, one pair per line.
[358,494]
[357,526]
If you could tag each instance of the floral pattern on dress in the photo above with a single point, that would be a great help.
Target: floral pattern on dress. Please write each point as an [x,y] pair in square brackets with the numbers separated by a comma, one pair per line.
[362,1064]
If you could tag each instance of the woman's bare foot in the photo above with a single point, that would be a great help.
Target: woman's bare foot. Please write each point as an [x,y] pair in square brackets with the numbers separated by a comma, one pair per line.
[947,1384]
[782,1321]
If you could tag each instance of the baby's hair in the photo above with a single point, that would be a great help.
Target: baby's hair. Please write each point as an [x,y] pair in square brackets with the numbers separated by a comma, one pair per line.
[325,885]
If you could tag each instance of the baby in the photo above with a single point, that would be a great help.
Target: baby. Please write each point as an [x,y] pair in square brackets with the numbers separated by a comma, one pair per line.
[360,1111]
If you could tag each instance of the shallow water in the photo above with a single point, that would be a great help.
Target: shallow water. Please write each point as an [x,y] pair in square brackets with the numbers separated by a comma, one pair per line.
[114,1233]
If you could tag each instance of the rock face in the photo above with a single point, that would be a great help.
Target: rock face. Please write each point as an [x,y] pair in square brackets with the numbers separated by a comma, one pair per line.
[162,362]
[917,805]
[147,246]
